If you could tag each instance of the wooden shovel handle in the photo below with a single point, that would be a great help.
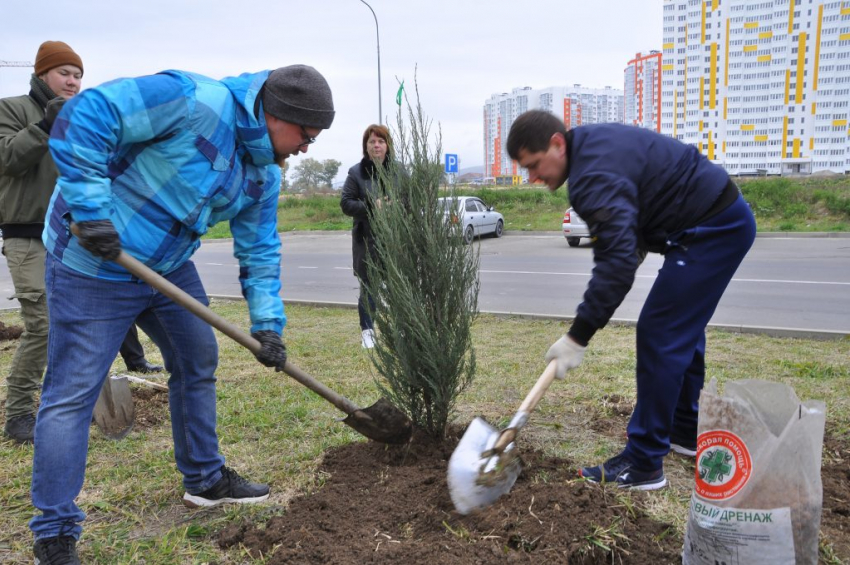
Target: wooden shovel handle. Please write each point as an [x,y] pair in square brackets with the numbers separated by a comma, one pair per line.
[179,296]
[539,388]
[527,406]
[147,383]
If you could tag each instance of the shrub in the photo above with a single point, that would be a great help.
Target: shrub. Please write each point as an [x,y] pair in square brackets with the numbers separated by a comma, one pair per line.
[425,285]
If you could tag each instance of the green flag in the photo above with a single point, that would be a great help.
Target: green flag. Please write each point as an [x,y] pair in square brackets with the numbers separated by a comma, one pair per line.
[399,93]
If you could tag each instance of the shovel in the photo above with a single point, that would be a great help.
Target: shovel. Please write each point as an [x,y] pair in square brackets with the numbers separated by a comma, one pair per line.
[381,422]
[150,384]
[114,411]
[485,464]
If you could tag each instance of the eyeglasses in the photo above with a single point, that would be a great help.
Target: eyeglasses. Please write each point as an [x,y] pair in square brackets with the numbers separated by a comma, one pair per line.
[305,137]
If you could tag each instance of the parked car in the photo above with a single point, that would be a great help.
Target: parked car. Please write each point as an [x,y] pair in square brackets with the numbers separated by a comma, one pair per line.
[574,228]
[477,218]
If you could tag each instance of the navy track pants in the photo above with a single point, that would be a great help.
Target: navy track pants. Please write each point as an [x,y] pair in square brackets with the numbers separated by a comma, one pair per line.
[698,265]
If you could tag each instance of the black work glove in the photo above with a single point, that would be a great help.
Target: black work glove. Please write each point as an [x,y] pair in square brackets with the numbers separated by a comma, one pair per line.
[273,352]
[50,112]
[99,238]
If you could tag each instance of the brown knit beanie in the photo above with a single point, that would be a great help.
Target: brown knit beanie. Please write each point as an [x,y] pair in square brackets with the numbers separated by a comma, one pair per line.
[52,54]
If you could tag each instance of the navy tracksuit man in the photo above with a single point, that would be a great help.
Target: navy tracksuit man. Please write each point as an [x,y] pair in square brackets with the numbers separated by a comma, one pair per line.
[641,192]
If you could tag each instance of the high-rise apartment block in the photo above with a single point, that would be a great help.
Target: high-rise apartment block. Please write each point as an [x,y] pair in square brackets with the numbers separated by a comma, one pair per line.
[576,105]
[759,86]
[642,91]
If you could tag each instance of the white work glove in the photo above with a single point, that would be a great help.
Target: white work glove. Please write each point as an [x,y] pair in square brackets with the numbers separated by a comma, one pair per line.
[567,353]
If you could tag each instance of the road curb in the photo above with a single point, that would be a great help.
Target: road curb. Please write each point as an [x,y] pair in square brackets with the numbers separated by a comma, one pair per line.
[765,235]
[796,333]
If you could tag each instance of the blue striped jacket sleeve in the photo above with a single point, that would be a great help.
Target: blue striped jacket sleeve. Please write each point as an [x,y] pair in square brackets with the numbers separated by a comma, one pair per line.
[121,112]
[256,245]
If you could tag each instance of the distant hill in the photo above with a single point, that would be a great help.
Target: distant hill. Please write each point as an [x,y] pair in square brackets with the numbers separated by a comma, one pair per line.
[467,170]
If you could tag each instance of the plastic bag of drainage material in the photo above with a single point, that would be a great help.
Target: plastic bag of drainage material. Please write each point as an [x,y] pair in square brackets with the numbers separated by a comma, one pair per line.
[758,494]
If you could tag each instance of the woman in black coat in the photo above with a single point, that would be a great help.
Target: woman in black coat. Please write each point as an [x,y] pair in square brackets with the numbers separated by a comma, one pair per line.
[362,182]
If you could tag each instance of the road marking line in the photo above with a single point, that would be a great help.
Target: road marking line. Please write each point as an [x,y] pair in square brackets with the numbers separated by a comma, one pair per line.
[534,273]
[780,281]
[792,282]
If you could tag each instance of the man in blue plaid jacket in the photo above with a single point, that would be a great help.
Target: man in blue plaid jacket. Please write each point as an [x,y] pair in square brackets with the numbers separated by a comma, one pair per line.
[146,166]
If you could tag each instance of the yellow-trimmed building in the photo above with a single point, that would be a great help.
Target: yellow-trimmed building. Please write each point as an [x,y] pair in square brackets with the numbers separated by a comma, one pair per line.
[759,86]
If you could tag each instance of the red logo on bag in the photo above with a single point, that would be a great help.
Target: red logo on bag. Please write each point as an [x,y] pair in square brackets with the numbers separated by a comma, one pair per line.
[723,465]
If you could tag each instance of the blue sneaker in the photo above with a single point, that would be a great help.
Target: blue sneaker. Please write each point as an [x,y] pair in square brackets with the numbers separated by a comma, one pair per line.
[619,470]
[684,448]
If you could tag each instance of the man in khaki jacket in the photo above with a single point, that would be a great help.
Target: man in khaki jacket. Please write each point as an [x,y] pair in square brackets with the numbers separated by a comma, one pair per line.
[27,179]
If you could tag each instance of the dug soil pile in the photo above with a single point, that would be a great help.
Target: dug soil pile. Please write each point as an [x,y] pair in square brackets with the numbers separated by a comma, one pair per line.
[151,408]
[8,333]
[835,474]
[391,505]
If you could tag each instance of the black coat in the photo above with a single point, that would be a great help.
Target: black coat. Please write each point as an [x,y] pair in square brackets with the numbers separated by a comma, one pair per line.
[362,181]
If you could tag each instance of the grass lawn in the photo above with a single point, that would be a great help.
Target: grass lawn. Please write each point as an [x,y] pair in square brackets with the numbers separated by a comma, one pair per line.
[815,204]
[273,430]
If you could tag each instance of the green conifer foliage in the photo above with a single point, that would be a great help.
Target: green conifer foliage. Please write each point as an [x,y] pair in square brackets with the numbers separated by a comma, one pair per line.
[424,283]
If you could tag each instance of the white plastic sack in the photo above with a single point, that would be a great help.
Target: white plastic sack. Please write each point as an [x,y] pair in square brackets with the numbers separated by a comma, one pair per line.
[757,495]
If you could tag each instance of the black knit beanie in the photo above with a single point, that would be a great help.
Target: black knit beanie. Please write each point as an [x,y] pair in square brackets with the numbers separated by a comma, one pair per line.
[298,94]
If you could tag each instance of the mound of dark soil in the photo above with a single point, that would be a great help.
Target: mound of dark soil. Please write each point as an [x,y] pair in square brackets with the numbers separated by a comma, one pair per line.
[835,474]
[9,333]
[151,407]
[391,505]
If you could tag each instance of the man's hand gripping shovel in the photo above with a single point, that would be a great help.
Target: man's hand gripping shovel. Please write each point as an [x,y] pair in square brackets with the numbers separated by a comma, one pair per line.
[485,465]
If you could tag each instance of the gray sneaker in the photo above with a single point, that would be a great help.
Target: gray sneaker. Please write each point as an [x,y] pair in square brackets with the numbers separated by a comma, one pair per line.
[20,428]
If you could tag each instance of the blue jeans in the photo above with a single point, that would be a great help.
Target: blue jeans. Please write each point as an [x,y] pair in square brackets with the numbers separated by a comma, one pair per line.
[698,266]
[89,318]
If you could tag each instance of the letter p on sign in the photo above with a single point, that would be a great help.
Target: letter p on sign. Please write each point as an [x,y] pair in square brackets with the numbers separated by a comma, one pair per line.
[451,163]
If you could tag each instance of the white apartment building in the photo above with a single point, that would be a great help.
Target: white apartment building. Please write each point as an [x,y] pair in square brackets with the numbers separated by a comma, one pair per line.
[576,105]
[642,91]
[759,86]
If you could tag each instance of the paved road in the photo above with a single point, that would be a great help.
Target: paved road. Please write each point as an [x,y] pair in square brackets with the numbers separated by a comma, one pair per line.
[801,283]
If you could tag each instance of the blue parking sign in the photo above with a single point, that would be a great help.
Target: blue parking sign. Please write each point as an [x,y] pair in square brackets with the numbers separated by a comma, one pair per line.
[451,163]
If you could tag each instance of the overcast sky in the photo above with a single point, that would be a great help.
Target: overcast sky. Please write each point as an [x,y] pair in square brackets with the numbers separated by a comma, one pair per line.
[465,50]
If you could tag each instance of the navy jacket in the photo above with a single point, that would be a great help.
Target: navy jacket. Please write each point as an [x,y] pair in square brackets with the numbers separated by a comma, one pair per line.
[635,188]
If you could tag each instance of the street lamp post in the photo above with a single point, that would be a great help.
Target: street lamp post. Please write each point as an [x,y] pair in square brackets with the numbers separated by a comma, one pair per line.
[378,35]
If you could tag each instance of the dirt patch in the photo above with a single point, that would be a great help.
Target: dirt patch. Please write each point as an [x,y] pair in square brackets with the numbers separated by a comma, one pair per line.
[612,417]
[151,407]
[9,333]
[391,505]
[381,504]
[835,518]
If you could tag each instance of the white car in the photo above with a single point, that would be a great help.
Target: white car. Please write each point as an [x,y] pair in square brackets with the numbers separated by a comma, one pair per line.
[478,219]
[574,228]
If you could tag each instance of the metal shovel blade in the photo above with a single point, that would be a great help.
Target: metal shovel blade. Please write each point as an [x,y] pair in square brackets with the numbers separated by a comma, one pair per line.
[381,422]
[114,411]
[477,478]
